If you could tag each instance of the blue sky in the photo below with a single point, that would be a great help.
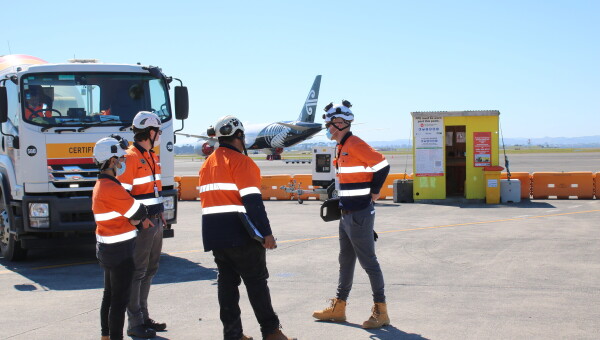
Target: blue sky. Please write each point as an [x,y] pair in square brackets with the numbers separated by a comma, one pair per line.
[535,61]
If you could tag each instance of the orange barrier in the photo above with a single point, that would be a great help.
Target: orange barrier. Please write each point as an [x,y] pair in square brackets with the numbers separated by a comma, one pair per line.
[525,179]
[188,188]
[597,185]
[270,187]
[562,185]
[387,190]
[304,182]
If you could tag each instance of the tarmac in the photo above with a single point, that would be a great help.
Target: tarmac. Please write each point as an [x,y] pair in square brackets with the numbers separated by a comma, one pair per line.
[452,271]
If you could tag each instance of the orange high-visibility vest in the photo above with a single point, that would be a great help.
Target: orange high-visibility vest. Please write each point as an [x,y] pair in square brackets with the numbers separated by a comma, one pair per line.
[112,207]
[142,177]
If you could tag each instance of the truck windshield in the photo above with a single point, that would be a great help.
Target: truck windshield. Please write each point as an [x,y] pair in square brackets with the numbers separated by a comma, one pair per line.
[71,99]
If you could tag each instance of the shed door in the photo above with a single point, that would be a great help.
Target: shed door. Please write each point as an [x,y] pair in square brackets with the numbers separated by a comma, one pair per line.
[455,160]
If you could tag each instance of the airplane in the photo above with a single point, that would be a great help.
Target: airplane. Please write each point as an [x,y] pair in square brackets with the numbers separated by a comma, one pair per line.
[272,138]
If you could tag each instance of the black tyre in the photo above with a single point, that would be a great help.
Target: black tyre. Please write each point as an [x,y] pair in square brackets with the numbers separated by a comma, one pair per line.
[9,246]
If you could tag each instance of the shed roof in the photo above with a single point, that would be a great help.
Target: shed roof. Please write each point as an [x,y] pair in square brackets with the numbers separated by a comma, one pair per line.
[420,114]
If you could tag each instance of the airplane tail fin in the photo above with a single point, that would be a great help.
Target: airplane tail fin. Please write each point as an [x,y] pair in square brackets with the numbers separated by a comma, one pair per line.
[310,105]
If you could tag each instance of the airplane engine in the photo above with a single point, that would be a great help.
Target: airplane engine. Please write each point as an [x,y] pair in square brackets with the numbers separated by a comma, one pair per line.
[207,149]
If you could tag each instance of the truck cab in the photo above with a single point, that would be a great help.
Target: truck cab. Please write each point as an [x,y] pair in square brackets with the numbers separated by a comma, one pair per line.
[52,115]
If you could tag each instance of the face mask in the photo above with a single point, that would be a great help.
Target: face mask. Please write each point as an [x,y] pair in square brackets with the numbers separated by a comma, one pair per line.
[328,134]
[156,141]
[121,170]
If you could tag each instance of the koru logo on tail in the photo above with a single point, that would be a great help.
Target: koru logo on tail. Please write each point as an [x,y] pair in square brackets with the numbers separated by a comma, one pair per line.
[310,103]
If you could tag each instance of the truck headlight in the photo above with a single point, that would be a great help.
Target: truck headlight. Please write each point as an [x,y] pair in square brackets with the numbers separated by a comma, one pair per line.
[39,215]
[169,202]
[38,210]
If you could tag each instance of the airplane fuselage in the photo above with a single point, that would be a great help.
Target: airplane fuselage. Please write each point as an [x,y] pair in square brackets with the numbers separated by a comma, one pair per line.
[276,135]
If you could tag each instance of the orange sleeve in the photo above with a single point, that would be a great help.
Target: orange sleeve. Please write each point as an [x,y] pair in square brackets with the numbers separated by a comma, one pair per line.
[366,154]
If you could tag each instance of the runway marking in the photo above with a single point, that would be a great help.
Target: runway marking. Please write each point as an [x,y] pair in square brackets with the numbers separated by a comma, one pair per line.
[332,236]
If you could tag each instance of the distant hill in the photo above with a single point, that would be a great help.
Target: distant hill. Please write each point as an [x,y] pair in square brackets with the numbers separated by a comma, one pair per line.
[584,141]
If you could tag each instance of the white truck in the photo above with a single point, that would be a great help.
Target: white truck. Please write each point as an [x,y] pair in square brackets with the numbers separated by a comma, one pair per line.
[52,115]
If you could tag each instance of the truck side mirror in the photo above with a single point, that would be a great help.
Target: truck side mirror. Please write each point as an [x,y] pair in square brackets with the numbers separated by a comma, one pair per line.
[3,105]
[182,104]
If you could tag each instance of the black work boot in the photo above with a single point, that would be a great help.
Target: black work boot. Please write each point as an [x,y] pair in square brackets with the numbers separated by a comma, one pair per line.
[157,326]
[141,332]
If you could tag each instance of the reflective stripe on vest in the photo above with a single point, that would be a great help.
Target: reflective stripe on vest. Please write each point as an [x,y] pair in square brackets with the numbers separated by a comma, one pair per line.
[359,169]
[113,214]
[223,209]
[134,208]
[150,201]
[146,179]
[218,186]
[116,238]
[380,165]
[354,192]
[106,216]
[249,190]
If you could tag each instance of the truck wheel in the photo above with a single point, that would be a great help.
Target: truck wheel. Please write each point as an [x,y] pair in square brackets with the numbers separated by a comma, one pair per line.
[331,192]
[9,246]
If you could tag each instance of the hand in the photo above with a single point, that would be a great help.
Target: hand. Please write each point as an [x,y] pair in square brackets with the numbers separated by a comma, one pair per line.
[164,221]
[270,242]
[147,224]
[375,197]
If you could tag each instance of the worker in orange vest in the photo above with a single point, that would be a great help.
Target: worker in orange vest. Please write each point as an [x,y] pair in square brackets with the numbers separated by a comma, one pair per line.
[142,180]
[361,172]
[231,203]
[37,104]
[118,216]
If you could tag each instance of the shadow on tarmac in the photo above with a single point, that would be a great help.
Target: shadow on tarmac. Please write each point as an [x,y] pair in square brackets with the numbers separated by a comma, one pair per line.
[83,272]
[385,333]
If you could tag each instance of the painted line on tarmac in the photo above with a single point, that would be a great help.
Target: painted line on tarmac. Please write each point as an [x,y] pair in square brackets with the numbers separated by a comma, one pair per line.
[333,236]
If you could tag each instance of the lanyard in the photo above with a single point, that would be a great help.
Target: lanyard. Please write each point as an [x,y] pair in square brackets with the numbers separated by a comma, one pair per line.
[153,170]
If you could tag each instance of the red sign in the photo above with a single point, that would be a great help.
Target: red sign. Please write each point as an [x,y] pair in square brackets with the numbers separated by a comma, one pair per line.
[482,148]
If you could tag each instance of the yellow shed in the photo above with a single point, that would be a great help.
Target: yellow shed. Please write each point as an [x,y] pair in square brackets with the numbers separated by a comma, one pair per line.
[451,150]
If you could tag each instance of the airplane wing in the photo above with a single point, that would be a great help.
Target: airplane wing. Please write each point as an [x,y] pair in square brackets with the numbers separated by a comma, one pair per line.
[194,136]
[295,127]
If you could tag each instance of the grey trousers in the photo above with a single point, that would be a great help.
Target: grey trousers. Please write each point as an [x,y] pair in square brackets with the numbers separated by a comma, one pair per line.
[145,257]
[356,241]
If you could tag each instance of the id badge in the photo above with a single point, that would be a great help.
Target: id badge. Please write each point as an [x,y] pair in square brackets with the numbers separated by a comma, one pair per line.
[156,192]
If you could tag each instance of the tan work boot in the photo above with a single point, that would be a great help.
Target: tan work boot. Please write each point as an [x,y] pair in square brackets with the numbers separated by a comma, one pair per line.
[335,312]
[278,335]
[379,316]
[105,337]
[245,337]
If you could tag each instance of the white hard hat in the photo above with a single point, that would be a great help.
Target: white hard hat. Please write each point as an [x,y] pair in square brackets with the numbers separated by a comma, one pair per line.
[227,126]
[107,148]
[146,119]
[338,110]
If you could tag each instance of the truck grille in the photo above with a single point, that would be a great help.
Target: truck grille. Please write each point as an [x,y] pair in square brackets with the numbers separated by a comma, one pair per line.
[73,175]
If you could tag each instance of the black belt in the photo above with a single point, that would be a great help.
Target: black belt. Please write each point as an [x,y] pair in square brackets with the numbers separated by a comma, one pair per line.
[154,216]
[347,212]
